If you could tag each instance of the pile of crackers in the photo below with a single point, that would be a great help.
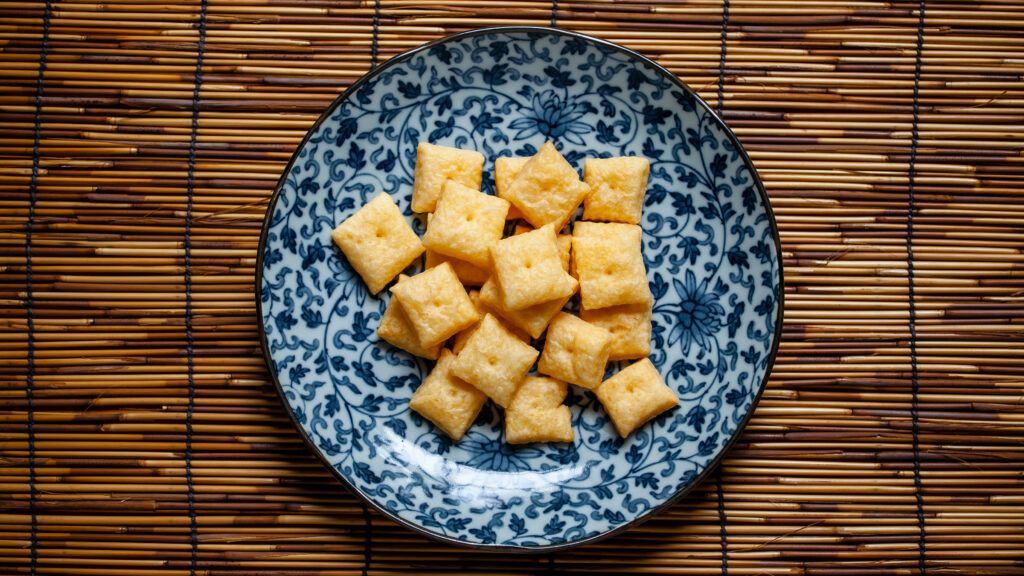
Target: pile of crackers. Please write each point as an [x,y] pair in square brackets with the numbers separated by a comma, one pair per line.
[493,297]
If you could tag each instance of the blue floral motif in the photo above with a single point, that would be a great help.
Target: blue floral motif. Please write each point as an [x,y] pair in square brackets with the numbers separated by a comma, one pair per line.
[554,117]
[698,315]
[489,453]
[710,247]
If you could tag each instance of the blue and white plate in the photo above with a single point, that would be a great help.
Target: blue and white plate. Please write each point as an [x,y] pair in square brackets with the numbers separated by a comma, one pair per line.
[710,245]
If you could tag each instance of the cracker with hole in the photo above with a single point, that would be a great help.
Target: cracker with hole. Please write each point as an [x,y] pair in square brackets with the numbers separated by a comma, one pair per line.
[635,395]
[617,188]
[564,243]
[494,360]
[468,274]
[436,304]
[396,330]
[575,351]
[378,242]
[446,401]
[532,320]
[536,412]
[609,264]
[505,170]
[465,223]
[630,326]
[482,309]
[547,190]
[529,269]
[435,165]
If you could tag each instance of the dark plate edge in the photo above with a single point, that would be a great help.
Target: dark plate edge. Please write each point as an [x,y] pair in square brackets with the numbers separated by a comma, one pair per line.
[497,547]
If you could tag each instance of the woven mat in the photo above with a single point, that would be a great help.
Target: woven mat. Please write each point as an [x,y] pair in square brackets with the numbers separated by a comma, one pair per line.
[140,145]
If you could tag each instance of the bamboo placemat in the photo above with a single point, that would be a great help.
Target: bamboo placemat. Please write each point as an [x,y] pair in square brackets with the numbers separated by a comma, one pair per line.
[139,144]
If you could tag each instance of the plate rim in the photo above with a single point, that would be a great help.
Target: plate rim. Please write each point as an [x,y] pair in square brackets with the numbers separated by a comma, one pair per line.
[367,500]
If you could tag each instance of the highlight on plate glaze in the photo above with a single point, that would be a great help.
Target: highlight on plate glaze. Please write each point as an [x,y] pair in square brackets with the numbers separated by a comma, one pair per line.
[712,261]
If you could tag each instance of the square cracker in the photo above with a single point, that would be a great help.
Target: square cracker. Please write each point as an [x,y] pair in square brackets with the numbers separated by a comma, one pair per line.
[565,251]
[449,403]
[378,242]
[635,395]
[468,274]
[482,309]
[465,223]
[532,320]
[536,413]
[460,339]
[529,269]
[494,360]
[630,325]
[617,188]
[437,164]
[547,190]
[396,330]
[564,243]
[609,264]
[505,170]
[575,351]
[436,304]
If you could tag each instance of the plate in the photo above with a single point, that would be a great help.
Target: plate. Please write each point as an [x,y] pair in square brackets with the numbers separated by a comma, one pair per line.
[711,248]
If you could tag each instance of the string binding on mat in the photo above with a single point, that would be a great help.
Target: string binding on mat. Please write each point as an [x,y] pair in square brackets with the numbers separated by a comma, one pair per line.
[720,496]
[190,342]
[376,25]
[722,533]
[721,55]
[30,301]
[368,539]
[554,14]
[367,524]
[911,208]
